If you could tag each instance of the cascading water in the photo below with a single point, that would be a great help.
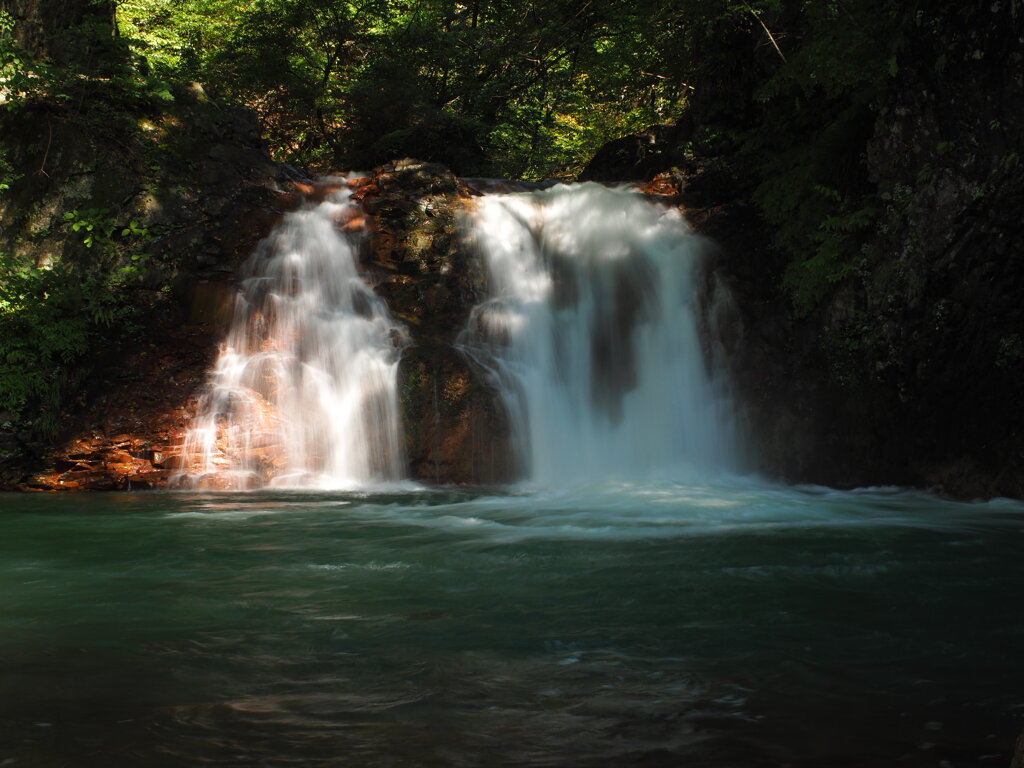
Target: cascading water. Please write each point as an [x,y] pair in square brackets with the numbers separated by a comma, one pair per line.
[304,389]
[591,335]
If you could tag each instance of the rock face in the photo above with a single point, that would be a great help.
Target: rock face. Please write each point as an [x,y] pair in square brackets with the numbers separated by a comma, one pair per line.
[456,429]
[416,258]
[924,344]
[196,175]
[910,373]
[455,426]
[637,156]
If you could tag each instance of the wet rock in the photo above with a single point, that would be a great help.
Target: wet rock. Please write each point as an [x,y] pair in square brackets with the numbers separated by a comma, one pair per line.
[87,480]
[456,428]
[416,258]
[636,157]
[212,303]
[8,442]
[154,478]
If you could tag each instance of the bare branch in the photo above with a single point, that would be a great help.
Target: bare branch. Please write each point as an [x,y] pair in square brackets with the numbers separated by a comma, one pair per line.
[768,32]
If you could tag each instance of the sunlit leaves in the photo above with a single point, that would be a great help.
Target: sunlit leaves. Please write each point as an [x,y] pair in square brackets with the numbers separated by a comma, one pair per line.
[531,87]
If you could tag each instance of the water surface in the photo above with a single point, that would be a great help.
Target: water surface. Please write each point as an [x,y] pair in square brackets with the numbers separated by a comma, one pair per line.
[738,624]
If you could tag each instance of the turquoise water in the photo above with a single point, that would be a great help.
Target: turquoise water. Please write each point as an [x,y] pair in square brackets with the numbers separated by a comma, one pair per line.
[652,625]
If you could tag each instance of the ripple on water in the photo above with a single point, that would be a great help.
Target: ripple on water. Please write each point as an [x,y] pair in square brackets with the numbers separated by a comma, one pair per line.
[660,625]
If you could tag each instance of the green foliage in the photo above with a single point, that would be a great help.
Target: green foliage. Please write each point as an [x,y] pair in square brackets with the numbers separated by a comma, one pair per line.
[521,89]
[836,242]
[101,88]
[7,173]
[49,318]
[118,260]
[52,317]
[526,90]
[801,107]
[1010,352]
[96,226]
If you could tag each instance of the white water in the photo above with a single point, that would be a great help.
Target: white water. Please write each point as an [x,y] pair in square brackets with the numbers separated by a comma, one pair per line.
[591,334]
[304,389]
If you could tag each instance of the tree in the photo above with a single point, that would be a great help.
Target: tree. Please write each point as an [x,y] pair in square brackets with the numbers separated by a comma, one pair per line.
[80,32]
[488,86]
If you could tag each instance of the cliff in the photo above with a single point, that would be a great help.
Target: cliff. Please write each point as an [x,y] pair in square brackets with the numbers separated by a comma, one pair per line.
[911,369]
[125,429]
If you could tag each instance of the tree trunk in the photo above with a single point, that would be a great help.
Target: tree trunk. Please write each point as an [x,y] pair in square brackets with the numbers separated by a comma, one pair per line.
[65,31]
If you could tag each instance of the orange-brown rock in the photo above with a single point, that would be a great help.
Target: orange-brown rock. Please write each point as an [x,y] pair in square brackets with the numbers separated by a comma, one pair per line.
[213,303]
[355,224]
[317,190]
[666,184]
[416,258]
[154,478]
[382,246]
[134,421]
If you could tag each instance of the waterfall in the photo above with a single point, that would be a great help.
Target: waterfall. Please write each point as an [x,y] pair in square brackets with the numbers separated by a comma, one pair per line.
[304,388]
[591,335]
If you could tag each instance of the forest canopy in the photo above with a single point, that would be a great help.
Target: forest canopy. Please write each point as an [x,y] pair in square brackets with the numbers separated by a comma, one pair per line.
[525,89]
[521,89]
